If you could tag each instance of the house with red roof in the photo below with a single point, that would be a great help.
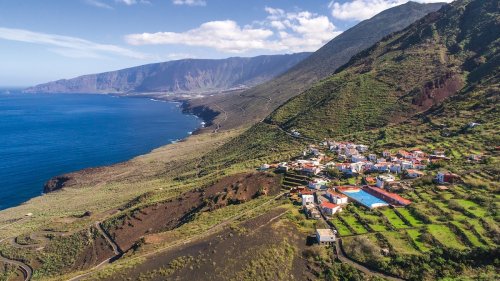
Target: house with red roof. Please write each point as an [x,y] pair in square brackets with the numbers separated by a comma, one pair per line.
[387,196]
[329,208]
[336,198]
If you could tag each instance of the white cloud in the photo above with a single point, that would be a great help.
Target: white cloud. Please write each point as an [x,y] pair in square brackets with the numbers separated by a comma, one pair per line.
[127,2]
[190,2]
[279,32]
[133,2]
[98,4]
[221,35]
[364,9]
[68,46]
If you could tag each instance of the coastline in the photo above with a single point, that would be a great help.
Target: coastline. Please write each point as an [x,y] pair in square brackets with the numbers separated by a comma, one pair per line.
[206,114]
[60,181]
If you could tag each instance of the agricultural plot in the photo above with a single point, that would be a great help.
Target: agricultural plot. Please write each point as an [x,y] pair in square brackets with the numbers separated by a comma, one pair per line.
[393,218]
[473,239]
[399,243]
[472,207]
[410,218]
[445,236]
[341,227]
[479,228]
[416,235]
[354,223]
[374,221]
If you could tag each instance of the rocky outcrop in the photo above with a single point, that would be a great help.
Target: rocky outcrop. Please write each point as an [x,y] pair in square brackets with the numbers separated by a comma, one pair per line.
[55,183]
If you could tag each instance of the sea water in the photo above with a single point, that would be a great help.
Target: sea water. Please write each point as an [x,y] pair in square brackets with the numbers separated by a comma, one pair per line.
[45,135]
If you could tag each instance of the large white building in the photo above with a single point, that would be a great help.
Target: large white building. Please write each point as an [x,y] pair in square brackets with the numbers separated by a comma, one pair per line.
[307,199]
[325,236]
[382,180]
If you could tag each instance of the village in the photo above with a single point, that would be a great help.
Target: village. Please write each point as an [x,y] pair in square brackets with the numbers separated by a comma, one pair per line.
[373,181]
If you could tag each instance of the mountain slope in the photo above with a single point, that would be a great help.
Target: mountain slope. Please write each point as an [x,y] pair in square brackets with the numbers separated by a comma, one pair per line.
[406,73]
[256,103]
[181,76]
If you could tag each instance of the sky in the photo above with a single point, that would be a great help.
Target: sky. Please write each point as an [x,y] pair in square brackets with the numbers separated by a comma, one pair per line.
[41,41]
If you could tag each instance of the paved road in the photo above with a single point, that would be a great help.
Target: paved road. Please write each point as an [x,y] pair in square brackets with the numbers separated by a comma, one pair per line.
[116,249]
[27,271]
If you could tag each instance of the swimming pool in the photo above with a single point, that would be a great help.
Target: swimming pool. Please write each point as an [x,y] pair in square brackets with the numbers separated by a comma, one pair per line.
[364,198]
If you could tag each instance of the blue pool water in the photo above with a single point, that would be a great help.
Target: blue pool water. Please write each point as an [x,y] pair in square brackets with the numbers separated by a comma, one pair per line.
[42,136]
[365,198]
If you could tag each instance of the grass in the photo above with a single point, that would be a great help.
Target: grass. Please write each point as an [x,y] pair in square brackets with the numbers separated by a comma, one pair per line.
[415,235]
[445,236]
[399,243]
[472,207]
[340,226]
[410,218]
[474,240]
[354,223]
[393,218]
[374,221]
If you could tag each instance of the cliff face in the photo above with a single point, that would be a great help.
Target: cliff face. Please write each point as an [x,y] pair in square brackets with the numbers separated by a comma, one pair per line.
[181,76]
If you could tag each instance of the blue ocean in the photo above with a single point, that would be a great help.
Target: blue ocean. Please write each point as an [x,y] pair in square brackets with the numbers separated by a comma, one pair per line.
[44,135]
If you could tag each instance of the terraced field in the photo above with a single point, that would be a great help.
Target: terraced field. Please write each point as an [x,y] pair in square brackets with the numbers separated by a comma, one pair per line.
[408,234]
[393,218]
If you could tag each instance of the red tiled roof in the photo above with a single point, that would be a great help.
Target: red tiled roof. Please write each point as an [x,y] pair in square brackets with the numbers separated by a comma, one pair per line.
[336,194]
[306,192]
[394,196]
[342,188]
[328,205]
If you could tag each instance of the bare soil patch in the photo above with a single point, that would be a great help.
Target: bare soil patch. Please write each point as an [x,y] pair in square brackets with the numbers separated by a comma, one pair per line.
[171,214]
[257,249]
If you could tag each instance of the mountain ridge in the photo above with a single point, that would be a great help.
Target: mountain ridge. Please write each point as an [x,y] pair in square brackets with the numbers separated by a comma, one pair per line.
[261,100]
[187,76]
[405,73]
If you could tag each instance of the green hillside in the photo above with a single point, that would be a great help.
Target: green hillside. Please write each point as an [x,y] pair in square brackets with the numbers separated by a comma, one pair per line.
[256,103]
[404,74]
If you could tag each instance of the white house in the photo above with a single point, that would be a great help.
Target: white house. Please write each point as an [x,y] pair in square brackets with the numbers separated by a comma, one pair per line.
[382,180]
[382,167]
[264,167]
[411,173]
[358,158]
[317,184]
[330,209]
[372,157]
[337,198]
[307,199]
[283,167]
[362,148]
[418,153]
[395,168]
[386,153]
[325,236]
[446,177]
[405,165]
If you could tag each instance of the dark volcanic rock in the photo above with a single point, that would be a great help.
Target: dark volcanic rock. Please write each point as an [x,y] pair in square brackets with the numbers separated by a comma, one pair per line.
[55,183]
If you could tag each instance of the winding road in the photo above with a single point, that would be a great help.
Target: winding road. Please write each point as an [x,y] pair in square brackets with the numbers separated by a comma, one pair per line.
[26,269]
[37,236]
